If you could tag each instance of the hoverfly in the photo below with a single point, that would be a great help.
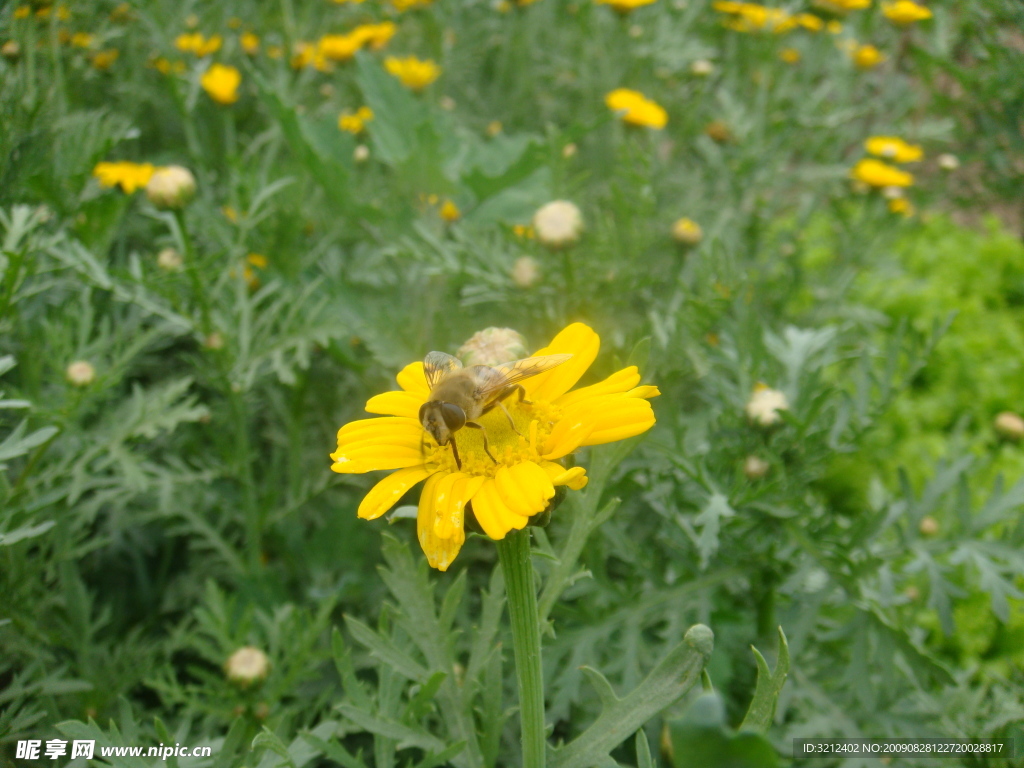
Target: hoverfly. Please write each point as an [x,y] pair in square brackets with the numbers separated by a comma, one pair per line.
[459,396]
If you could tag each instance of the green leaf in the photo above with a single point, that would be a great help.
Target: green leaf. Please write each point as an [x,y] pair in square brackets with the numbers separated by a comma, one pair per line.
[769,685]
[643,751]
[397,114]
[517,203]
[385,650]
[702,739]
[665,684]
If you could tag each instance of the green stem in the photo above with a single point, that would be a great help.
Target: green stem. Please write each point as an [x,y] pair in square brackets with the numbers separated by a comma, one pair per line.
[514,553]
[188,252]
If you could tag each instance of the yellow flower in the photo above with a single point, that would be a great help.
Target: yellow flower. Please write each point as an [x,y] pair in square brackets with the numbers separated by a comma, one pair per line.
[250,43]
[905,12]
[375,35]
[129,176]
[415,74]
[103,60]
[636,109]
[195,43]
[751,17]
[82,40]
[902,206]
[408,5]
[166,67]
[355,122]
[842,6]
[893,148]
[687,232]
[790,55]
[221,83]
[810,22]
[866,56]
[22,12]
[334,47]
[506,493]
[625,6]
[450,212]
[877,174]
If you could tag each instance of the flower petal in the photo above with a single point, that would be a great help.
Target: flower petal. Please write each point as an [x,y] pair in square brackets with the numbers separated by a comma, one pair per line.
[440,552]
[574,477]
[582,343]
[453,493]
[569,433]
[512,494]
[619,418]
[534,484]
[400,403]
[385,494]
[413,379]
[384,443]
[491,512]
[621,381]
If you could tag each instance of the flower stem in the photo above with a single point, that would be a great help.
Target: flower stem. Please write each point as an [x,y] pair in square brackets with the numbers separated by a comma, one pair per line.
[514,553]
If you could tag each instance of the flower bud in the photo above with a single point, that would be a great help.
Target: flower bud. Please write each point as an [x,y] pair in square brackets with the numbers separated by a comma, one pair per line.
[948,162]
[80,373]
[171,188]
[1009,426]
[558,224]
[912,593]
[718,131]
[170,260]
[754,467]
[361,153]
[928,526]
[247,666]
[525,272]
[11,50]
[492,346]
[764,406]
[702,68]
[569,150]
[214,341]
[687,232]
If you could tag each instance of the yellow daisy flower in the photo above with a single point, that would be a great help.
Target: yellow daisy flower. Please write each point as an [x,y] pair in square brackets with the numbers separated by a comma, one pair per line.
[636,109]
[415,74]
[625,6]
[354,122]
[842,6]
[550,425]
[905,12]
[877,174]
[221,83]
[866,56]
[129,176]
[893,148]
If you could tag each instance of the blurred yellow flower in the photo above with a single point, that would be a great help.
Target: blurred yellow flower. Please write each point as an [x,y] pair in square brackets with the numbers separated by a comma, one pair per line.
[103,60]
[450,212]
[333,47]
[166,67]
[82,40]
[354,122]
[752,17]
[866,56]
[905,12]
[877,174]
[687,232]
[415,74]
[893,148]
[22,12]
[810,22]
[636,109]
[221,83]
[521,480]
[842,6]
[790,55]
[126,175]
[197,44]
[375,35]
[624,6]
[902,206]
[408,5]
[250,43]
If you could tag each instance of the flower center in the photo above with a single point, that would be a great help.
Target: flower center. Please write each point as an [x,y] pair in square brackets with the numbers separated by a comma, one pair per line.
[509,446]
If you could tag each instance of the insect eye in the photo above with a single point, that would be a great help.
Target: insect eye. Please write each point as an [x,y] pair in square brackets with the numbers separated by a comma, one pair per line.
[454,417]
[423,412]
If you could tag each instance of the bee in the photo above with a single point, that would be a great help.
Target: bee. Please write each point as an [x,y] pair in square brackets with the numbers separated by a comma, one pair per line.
[459,396]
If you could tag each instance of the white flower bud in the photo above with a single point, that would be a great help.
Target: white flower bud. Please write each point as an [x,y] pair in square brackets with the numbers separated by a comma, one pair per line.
[361,153]
[948,162]
[764,406]
[558,224]
[1009,425]
[247,666]
[702,68]
[525,272]
[928,526]
[492,346]
[170,260]
[754,467]
[171,188]
[80,373]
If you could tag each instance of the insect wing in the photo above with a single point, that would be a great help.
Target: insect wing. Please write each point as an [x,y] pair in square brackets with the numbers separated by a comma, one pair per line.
[437,366]
[509,374]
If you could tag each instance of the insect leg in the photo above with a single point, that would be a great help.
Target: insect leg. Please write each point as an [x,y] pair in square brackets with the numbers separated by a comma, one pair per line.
[455,452]
[509,417]
[522,395]
[487,448]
